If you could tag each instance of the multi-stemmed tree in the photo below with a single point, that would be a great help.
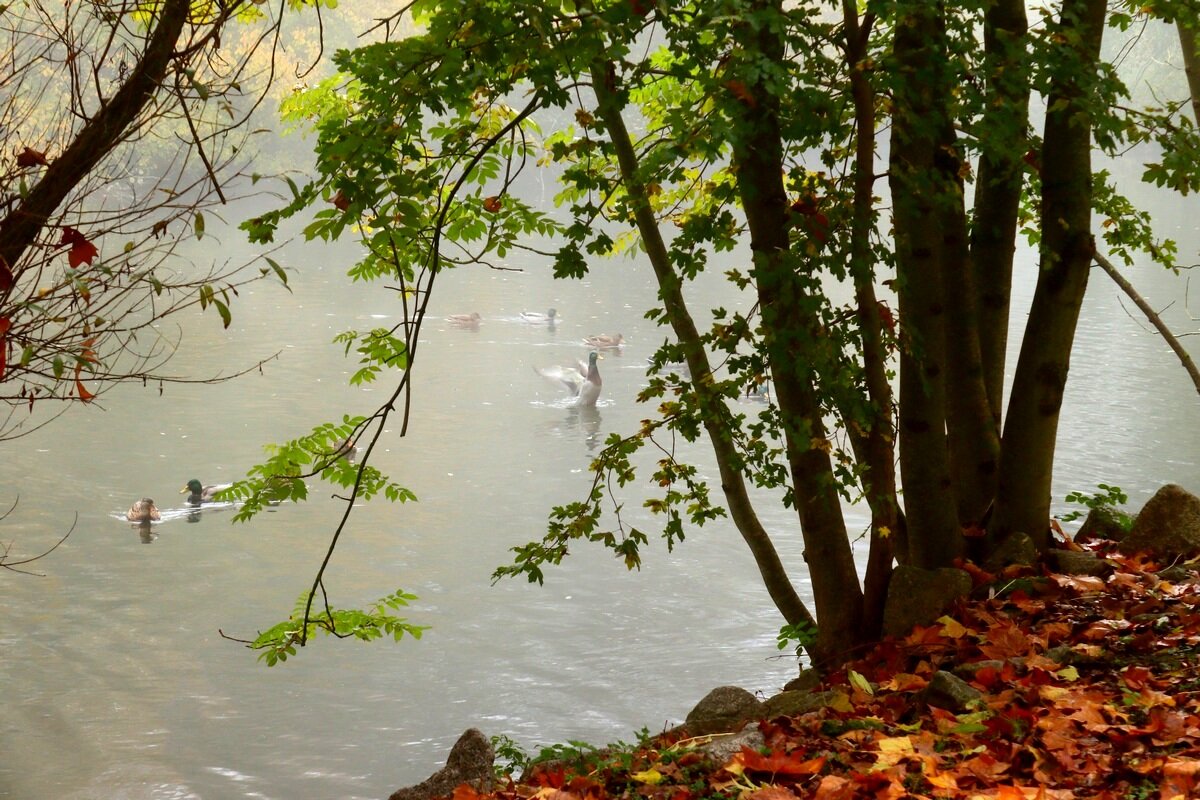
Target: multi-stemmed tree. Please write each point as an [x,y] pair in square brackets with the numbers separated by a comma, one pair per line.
[886,145]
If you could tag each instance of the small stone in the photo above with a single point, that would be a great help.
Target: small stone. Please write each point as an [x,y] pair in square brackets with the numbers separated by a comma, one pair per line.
[919,596]
[722,749]
[1103,522]
[1017,548]
[795,703]
[947,690]
[807,680]
[724,709]
[1072,562]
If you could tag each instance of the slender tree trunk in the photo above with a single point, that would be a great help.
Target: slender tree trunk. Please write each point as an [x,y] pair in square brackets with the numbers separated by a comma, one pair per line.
[934,537]
[741,509]
[1191,59]
[95,140]
[998,189]
[791,333]
[1067,248]
[878,447]
[972,432]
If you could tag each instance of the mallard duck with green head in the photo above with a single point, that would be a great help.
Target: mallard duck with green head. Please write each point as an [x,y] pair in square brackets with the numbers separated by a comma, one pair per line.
[199,493]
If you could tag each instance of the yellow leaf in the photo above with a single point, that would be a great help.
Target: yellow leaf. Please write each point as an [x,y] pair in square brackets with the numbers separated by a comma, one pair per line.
[884,531]
[1068,674]
[650,776]
[859,682]
[952,628]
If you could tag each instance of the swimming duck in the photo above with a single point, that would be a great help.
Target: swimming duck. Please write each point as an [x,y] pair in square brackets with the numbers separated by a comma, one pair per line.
[538,318]
[199,493]
[605,340]
[346,449]
[471,319]
[143,510]
[583,380]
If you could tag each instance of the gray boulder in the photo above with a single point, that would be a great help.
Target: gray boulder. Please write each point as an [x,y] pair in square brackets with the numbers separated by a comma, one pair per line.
[470,761]
[1168,525]
[724,709]
[919,596]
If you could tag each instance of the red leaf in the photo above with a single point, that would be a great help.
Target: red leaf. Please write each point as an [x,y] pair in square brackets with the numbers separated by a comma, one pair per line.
[31,158]
[492,203]
[82,251]
[340,201]
[739,90]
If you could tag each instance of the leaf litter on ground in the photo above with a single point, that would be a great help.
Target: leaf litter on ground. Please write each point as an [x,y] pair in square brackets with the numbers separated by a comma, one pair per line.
[1088,687]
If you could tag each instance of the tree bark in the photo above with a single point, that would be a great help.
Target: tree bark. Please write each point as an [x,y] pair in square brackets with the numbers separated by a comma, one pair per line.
[1191,60]
[791,334]
[934,537]
[878,445]
[1067,249]
[96,139]
[1003,143]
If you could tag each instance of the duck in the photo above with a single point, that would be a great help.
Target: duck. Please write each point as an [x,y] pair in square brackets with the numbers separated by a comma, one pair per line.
[199,493]
[604,340]
[583,380]
[538,318]
[143,510]
[346,449]
[471,319]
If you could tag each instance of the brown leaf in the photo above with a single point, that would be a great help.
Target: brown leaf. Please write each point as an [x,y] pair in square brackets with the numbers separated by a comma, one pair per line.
[31,158]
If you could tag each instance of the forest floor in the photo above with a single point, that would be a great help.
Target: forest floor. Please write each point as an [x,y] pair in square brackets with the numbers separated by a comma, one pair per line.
[1086,687]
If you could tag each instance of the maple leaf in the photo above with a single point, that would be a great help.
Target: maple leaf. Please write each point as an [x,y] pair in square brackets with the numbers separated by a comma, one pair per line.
[82,251]
[772,793]
[739,90]
[779,763]
[1005,641]
[834,787]
[465,791]
[31,158]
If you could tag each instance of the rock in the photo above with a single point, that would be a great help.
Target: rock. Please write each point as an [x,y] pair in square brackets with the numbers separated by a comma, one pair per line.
[919,596]
[947,690]
[722,749]
[1168,525]
[795,703]
[470,761]
[806,681]
[1072,562]
[1017,548]
[1104,522]
[969,670]
[724,709]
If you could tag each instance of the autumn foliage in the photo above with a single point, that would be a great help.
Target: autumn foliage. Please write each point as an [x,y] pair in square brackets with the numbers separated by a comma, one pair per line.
[1088,689]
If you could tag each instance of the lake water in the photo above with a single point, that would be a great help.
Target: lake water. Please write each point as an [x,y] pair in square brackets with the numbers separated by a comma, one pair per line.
[119,685]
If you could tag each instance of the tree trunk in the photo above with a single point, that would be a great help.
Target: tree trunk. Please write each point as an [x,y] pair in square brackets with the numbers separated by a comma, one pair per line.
[1031,426]
[878,445]
[792,333]
[1003,142]
[934,538]
[733,484]
[1191,61]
